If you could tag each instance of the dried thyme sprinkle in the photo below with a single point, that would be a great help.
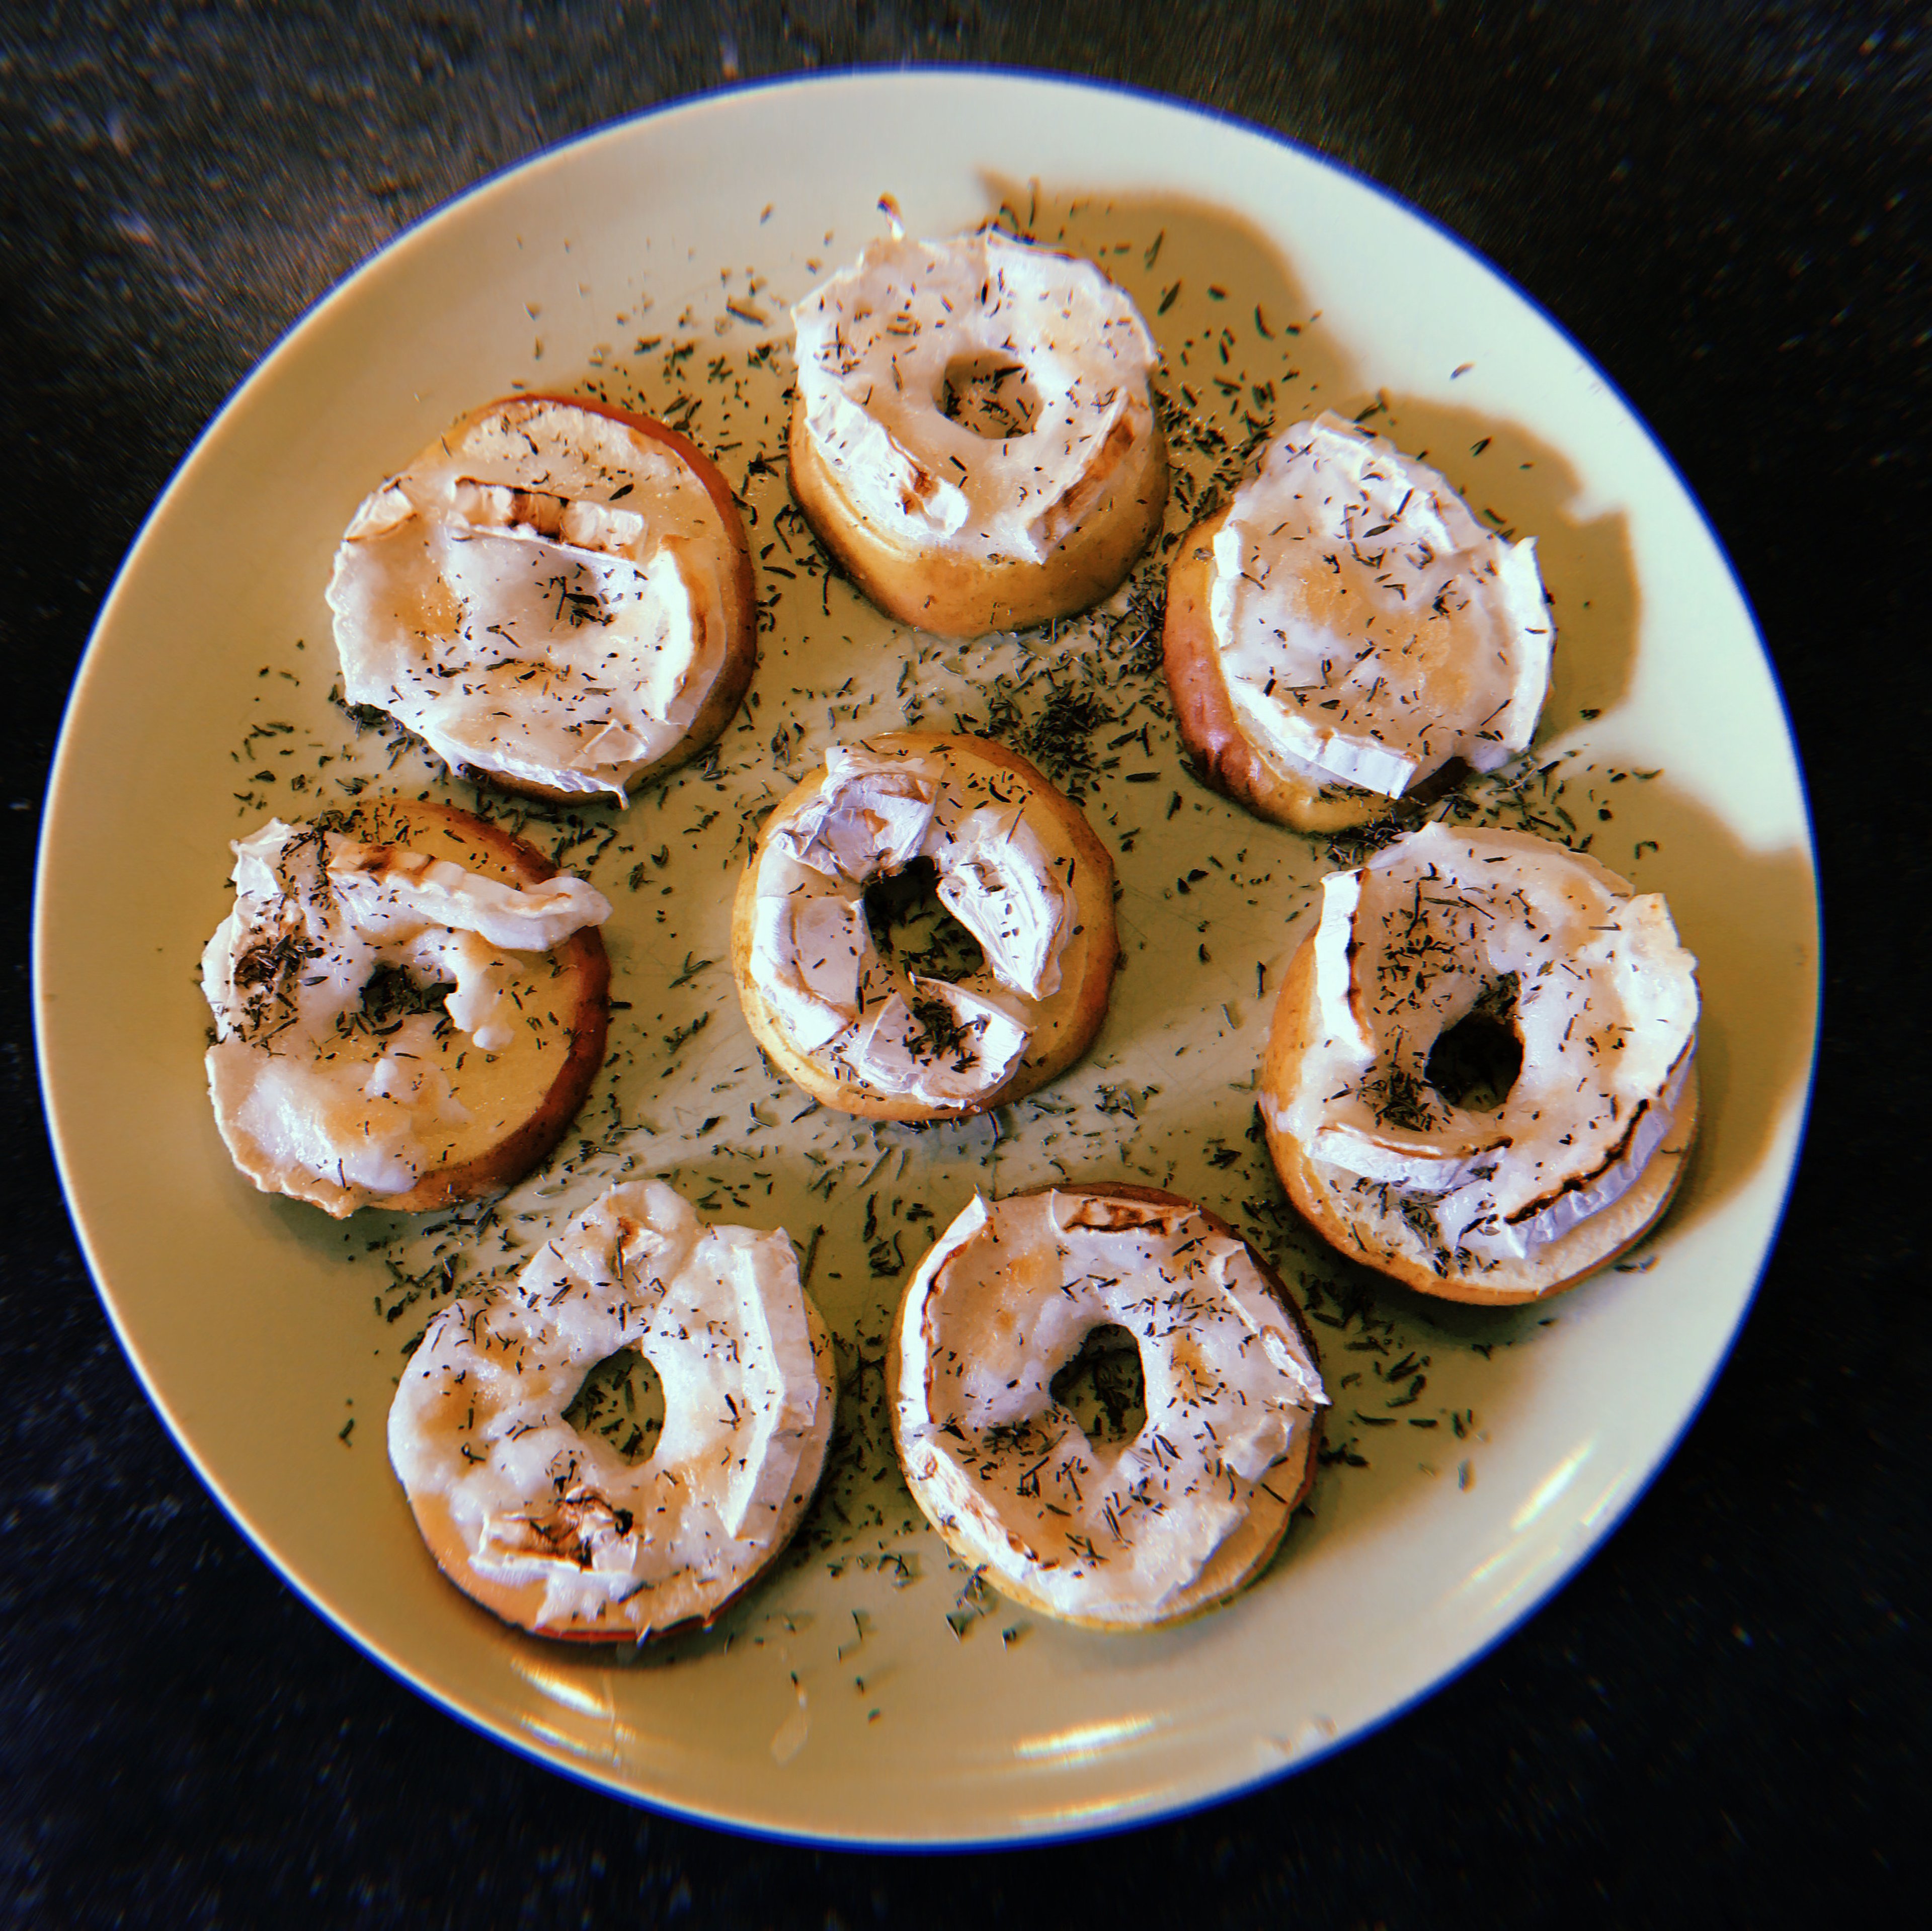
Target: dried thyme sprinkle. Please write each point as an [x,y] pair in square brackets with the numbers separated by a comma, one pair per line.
[942,1035]
[1399,1098]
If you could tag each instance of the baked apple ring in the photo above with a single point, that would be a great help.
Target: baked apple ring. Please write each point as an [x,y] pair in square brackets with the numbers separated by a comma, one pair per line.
[865,1025]
[1345,631]
[1115,1535]
[550,1527]
[557,596]
[410,1005]
[1505,1182]
[975,436]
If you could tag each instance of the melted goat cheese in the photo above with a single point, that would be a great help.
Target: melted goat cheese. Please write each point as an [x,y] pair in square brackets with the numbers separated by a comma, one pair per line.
[876,343]
[1606,1008]
[1003,1302]
[316,915]
[541,595]
[478,1421]
[1370,629]
[812,957]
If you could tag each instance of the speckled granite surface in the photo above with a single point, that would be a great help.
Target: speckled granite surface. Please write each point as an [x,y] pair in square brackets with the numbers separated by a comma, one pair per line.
[1723,1718]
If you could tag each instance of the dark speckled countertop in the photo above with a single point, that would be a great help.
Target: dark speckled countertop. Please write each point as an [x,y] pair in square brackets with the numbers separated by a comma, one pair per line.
[1724,1719]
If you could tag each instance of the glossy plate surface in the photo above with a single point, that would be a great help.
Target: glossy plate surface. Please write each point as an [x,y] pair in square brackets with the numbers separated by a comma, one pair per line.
[865,1692]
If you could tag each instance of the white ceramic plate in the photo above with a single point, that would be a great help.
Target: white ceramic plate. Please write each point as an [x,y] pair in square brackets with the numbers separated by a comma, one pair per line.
[857,1696]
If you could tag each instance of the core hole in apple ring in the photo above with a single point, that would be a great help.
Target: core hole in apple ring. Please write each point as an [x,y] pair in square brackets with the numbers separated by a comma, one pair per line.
[990,393]
[393,992]
[623,1401]
[1103,1385]
[912,928]
[1476,1062]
